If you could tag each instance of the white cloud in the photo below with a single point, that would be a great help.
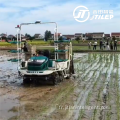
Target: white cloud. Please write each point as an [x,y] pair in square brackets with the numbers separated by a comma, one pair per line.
[16,12]
[23,3]
[10,10]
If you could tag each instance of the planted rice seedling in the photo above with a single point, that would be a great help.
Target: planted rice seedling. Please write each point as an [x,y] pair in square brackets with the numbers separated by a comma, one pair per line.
[100,71]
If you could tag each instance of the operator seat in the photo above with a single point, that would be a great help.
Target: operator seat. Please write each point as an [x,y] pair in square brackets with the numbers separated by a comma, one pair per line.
[47,53]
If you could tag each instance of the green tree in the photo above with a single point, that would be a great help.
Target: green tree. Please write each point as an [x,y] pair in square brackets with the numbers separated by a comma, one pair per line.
[27,35]
[47,35]
[31,38]
[3,37]
[77,39]
[14,38]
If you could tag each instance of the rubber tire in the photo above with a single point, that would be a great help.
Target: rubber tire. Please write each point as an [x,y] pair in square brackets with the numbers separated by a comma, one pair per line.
[61,78]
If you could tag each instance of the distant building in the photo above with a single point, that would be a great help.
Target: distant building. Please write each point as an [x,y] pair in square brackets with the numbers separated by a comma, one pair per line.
[71,37]
[11,37]
[38,36]
[83,37]
[89,36]
[116,35]
[107,36]
[2,36]
[98,35]
[22,36]
[78,35]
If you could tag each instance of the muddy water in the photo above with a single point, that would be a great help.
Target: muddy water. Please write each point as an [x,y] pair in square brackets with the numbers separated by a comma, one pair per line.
[6,103]
[8,81]
[19,102]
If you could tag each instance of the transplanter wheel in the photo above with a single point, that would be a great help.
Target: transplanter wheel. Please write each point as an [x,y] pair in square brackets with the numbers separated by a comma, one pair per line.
[26,80]
[61,77]
[68,74]
[56,79]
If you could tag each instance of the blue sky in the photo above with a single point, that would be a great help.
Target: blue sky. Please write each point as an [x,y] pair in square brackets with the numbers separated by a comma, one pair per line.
[14,12]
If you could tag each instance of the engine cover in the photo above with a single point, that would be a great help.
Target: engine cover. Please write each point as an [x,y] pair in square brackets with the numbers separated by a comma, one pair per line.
[37,63]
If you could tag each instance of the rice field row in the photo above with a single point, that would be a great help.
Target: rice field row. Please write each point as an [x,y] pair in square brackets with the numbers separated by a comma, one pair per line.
[98,84]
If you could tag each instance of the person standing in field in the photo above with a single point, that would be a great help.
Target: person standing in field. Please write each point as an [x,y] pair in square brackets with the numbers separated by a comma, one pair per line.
[101,44]
[115,45]
[25,48]
[104,45]
[89,45]
[111,45]
[95,45]
[107,46]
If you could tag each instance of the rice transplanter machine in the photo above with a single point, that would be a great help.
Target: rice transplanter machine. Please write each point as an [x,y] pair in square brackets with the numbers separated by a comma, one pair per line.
[42,68]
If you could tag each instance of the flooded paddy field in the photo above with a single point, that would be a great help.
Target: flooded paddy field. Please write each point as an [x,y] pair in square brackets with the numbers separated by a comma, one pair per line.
[94,93]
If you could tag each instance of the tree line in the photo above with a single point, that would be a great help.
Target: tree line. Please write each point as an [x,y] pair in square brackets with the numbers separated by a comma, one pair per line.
[47,36]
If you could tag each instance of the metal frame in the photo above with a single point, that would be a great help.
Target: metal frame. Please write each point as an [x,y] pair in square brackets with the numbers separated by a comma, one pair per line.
[55,47]
[19,33]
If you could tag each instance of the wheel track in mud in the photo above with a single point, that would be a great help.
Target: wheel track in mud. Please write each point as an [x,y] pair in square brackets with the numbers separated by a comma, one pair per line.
[64,91]
[33,91]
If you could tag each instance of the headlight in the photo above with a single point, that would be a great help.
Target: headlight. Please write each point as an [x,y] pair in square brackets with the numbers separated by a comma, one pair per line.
[30,60]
